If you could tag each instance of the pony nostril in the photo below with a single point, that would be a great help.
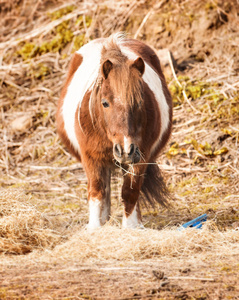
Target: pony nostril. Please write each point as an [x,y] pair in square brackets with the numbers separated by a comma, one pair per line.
[137,151]
[131,150]
[118,150]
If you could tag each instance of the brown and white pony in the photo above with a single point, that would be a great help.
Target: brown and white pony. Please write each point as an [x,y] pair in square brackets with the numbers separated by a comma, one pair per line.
[115,109]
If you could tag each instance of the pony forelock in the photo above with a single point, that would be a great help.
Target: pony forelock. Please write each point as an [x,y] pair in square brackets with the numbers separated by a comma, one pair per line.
[125,82]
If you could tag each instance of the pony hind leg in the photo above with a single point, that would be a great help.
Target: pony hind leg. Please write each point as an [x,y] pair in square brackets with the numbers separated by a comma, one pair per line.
[106,202]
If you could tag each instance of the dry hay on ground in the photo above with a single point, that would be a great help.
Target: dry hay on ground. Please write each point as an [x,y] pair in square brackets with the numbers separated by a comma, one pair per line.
[111,263]
[43,207]
[112,243]
[22,227]
[201,163]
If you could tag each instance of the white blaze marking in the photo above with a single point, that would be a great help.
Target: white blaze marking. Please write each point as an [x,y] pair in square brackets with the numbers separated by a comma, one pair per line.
[132,220]
[127,144]
[82,81]
[94,216]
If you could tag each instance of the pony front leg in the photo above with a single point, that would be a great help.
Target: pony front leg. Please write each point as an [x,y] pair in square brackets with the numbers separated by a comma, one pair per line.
[130,195]
[99,199]
[94,213]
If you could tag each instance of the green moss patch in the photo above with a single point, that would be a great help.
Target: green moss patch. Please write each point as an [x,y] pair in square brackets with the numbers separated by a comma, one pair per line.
[61,12]
[57,40]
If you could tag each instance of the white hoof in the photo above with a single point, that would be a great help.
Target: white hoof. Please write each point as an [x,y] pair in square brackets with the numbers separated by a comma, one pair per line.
[92,226]
[132,221]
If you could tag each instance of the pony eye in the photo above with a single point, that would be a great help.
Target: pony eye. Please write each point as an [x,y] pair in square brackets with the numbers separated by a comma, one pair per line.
[105,103]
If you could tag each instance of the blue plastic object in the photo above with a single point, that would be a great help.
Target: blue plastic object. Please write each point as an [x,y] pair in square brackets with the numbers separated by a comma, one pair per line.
[196,223]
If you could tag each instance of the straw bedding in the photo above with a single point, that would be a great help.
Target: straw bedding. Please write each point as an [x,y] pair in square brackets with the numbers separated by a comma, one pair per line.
[43,190]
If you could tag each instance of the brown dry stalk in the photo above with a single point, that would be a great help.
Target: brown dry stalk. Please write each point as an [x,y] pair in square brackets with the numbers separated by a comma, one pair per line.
[34,160]
[42,30]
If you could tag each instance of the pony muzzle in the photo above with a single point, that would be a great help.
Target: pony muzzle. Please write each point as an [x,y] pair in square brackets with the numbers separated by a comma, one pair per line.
[130,156]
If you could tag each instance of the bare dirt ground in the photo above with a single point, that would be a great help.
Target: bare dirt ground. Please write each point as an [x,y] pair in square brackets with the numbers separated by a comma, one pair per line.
[45,250]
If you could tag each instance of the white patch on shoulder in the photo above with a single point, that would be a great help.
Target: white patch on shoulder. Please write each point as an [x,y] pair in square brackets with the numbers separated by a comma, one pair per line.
[153,81]
[132,220]
[94,213]
[82,80]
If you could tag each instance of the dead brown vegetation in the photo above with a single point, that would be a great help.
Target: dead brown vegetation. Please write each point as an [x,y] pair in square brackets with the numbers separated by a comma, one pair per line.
[22,227]
[43,209]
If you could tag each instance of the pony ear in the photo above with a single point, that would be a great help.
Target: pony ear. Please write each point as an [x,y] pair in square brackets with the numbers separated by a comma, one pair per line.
[139,65]
[106,67]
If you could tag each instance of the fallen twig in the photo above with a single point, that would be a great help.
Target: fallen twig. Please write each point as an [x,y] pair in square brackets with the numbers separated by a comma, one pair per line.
[179,84]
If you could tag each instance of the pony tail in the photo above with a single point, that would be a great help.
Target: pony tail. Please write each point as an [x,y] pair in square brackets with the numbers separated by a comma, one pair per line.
[154,189]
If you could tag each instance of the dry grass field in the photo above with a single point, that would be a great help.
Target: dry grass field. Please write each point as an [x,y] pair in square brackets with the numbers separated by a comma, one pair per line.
[45,250]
